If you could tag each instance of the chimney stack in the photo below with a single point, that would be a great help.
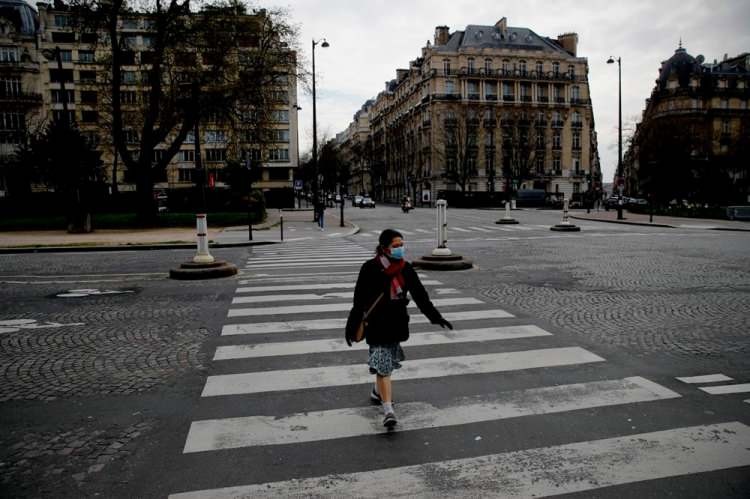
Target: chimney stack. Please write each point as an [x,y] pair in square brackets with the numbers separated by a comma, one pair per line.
[441,35]
[569,42]
[502,25]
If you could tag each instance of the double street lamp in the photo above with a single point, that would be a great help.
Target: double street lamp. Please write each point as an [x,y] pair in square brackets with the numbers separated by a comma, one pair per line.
[611,60]
[324,44]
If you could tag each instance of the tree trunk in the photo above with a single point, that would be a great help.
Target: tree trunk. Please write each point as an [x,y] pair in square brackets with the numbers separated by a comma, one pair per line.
[146,210]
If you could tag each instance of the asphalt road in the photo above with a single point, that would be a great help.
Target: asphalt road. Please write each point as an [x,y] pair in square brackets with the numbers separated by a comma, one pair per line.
[561,376]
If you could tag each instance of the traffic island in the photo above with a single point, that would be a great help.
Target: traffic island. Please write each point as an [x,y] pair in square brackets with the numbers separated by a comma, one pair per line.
[565,225]
[442,258]
[507,219]
[443,262]
[196,271]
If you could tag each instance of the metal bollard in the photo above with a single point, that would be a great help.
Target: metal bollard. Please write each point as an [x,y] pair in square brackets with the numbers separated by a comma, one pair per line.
[442,229]
[565,212]
[281,226]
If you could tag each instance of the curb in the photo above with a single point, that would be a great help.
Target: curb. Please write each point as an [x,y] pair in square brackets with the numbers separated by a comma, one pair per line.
[123,247]
[623,222]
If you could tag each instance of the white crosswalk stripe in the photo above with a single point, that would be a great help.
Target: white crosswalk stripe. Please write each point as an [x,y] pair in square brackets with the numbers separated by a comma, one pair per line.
[334,307]
[318,377]
[229,352]
[342,423]
[578,467]
[307,353]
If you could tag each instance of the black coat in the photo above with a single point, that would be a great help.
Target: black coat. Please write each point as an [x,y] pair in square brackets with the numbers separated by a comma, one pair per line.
[389,320]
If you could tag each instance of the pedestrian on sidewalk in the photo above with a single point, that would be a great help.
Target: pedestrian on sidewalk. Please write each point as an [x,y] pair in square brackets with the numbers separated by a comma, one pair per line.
[320,207]
[384,281]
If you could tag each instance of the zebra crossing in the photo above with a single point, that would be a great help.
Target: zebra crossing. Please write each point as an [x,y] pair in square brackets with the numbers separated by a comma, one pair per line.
[283,390]
[487,230]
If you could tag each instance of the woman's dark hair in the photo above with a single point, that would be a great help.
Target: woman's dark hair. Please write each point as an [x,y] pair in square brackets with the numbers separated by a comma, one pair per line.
[386,238]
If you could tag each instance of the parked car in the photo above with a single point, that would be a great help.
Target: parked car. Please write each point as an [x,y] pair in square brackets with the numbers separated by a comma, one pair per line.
[356,200]
[367,203]
[738,212]
[611,202]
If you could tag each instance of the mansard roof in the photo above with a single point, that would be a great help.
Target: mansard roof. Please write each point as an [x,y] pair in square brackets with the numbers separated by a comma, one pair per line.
[476,36]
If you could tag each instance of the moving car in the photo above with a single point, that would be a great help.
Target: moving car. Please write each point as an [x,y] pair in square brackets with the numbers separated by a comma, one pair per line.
[356,200]
[367,203]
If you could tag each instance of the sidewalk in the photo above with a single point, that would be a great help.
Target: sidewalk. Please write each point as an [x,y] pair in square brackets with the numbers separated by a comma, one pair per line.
[297,225]
[659,220]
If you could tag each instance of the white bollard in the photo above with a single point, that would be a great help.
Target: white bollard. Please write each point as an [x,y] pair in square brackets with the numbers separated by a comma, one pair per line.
[203,256]
[442,229]
[565,220]
[507,210]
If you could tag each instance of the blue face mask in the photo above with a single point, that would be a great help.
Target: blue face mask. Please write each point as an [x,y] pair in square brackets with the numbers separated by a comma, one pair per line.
[397,253]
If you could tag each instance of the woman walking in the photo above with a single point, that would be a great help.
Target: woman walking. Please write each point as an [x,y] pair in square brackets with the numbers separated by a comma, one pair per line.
[382,286]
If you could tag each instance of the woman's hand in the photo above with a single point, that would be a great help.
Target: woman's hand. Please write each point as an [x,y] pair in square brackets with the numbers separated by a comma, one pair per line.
[444,323]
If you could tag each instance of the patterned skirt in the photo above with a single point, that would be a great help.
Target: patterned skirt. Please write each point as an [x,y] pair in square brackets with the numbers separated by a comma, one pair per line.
[384,359]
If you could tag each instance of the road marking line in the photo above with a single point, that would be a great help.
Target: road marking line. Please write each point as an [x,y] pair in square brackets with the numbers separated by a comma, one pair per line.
[334,307]
[338,323]
[405,232]
[424,231]
[318,377]
[578,467]
[311,287]
[459,229]
[725,389]
[340,263]
[308,257]
[708,378]
[232,352]
[480,229]
[348,295]
[233,433]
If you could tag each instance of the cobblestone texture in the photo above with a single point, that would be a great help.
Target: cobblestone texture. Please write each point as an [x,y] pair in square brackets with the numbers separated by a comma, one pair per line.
[44,460]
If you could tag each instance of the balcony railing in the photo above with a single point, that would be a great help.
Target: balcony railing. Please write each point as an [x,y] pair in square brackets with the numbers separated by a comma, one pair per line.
[446,96]
[560,100]
[473,96]
[542,98]
[557,124]
[509,98]
[490,97]
[577,124]
[26,97]
[525,98]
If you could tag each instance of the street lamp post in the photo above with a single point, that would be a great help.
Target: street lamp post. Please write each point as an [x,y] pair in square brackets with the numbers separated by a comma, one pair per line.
[611,60]
[323,44]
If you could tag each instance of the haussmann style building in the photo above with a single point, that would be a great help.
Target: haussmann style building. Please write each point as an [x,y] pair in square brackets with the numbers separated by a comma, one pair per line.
[693,142]
[482,110]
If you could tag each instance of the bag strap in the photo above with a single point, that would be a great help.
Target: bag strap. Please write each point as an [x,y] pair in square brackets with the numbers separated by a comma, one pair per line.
[373,305]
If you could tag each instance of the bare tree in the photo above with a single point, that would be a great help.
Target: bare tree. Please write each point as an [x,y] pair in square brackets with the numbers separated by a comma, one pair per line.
[458,146]
[523,139]
[218,61]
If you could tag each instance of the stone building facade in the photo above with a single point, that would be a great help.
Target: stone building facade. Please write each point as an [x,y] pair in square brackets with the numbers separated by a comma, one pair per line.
[483,110]
[693,140]
[37,92]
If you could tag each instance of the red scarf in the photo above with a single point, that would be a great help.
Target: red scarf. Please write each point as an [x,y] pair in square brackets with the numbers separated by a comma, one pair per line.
[393,270]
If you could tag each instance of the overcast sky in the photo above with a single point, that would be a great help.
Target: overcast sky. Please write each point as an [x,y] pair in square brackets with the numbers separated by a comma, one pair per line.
[370,39]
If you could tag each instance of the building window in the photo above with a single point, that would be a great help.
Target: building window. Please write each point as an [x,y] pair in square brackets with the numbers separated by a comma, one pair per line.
[187,156]
[130,24]
[129,77]
[185,174]
[62,21]
[66,55]
[471,65]
[508,94]
[58,115]
[558,92]
[540,139]
[55,76]
[215,136]
[725,125]
[557,165]
[725,103]
[576,118]
[10,87]
[571,71]
[506,66]
[576,165]
[488,66]
[128,97]
[472,89]
[88,97]
[541,92]
[131,136]
[87,76]
[539,67]
[575,92]
[278,174]
[446,66]
[576,141]
[63,37]
[11,121]
[522,68]
[57,96]
[89,116]
[556,139]
[449,87]
[280,115]
[85,56]
[280,135]
[278,155]
[540,164]
[556,68]
[9,54]
[490,90]
[216,155]
[576,187]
